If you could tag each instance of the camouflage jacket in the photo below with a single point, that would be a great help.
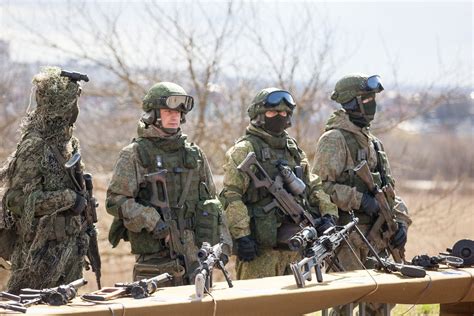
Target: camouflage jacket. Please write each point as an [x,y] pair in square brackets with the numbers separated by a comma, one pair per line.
[38,185]
[333,158]
[128,180]
[237,183]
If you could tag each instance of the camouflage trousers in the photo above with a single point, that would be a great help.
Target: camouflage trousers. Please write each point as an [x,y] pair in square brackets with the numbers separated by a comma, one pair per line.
[269,263]
[348,260]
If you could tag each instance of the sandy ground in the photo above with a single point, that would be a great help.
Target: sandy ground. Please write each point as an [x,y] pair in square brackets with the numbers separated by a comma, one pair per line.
[441,216]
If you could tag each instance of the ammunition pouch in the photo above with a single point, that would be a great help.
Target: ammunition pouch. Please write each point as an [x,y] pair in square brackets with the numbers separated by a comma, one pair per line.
[208,218]
[264,226]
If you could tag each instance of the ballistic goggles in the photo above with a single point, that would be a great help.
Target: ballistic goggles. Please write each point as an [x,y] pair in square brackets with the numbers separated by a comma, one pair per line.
[274,98]
[174,102]
[373,84]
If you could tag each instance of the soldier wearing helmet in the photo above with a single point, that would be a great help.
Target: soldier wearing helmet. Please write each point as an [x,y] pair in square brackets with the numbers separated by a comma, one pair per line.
[346,142]
[162,244]
[41,203]
[254,226]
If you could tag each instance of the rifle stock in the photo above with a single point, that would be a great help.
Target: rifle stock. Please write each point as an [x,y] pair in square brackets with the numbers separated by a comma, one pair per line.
[159,177]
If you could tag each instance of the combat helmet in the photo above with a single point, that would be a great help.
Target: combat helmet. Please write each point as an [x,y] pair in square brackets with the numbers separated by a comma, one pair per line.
[354,85]
[165,95]
[270,99]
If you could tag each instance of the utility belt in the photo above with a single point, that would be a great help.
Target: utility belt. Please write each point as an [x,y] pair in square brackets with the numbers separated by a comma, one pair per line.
[61,227]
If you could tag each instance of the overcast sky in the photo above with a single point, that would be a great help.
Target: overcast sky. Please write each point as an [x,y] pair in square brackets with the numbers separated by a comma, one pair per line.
[421,38]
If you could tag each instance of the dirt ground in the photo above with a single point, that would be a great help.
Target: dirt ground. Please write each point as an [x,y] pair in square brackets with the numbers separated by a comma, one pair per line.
[441,216]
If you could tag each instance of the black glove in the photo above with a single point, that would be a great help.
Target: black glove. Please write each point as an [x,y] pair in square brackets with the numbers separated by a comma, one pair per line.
[161,230]
[80,205]
[400,238]
[369,205]
[327,221]
[246,248]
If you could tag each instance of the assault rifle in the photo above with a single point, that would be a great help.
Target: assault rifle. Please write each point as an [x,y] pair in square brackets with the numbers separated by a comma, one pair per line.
[14,303]
[316,249]
[405,269]
[83,184]
[175,243]
[385,226]
[209,257]
[283,199]
[55,296]
[137,290]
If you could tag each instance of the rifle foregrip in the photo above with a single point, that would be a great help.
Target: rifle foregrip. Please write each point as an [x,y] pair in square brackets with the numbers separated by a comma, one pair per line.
[412,272]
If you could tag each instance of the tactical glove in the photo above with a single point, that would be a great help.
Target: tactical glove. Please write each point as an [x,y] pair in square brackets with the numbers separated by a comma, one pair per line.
[327,221]
[400,238]
[369,205]
[246,248]
[161,230]
[80,205]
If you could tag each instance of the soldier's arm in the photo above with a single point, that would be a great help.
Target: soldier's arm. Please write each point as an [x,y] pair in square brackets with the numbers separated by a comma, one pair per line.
[123,189]
[330,162]
[235,185]
[317,196]
[26,184]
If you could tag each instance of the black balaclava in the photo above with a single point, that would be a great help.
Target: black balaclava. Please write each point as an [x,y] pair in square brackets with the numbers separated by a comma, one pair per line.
[360,113]
[275,125]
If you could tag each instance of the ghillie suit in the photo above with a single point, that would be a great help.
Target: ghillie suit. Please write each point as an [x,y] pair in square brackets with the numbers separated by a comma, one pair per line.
[40,196]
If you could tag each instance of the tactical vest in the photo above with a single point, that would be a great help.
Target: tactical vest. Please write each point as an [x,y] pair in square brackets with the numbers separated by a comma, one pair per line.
[264,224]
[184,163]
[349,178]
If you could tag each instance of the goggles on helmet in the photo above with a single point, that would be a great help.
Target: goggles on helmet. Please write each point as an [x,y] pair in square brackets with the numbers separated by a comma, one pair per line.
[276,97]
[373,84]
[173,102]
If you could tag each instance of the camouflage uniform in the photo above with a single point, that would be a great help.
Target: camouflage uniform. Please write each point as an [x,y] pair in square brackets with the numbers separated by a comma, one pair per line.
[244,204]
[199,218]
[342,147]
[41,197]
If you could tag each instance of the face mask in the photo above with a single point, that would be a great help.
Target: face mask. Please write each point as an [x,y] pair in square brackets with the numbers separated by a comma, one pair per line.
[365,112]
[275,125]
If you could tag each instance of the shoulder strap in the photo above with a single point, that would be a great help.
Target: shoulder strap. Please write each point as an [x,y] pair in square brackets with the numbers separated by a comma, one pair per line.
[351,143]
[294,150]
[141,144]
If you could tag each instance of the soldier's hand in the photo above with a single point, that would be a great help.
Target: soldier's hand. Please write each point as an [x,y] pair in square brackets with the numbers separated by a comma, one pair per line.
[327,221]
[161,230]
[246,248]
[80,205]
[400,238]
[369,205]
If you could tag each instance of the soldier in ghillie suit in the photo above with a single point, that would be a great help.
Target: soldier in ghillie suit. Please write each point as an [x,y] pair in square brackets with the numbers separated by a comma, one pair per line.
[346,142]
[255,228]
[162,157]
[40,197]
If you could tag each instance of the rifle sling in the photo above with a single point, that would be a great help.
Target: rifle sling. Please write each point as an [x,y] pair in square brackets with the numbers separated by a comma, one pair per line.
[181,202]
[62,163]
